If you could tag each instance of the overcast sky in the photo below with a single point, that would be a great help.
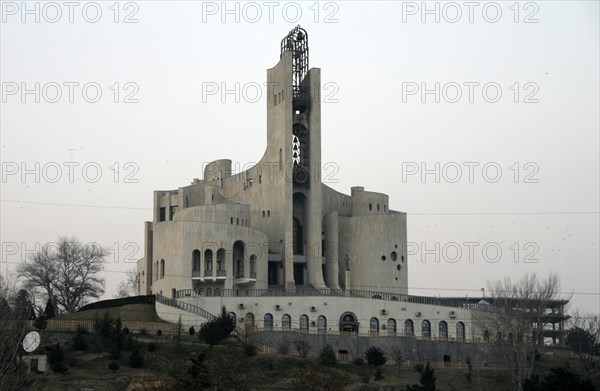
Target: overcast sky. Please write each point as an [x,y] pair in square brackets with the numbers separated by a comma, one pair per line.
[498,102]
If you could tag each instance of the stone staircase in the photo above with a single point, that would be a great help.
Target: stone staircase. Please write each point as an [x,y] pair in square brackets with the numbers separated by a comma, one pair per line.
[204,316]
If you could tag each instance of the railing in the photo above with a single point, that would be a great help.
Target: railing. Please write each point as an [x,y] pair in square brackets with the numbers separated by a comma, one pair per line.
[454,303]
[238,332]
[71,325]
[370,334]
[184,306]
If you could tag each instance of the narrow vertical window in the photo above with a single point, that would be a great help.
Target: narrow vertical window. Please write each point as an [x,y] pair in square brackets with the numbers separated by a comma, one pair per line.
[374,325]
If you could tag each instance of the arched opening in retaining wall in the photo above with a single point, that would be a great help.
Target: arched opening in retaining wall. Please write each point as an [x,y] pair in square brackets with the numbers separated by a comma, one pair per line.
[304,322]
[391,326]
[249,320]
[286,321]
[409,327]
[460,331]
[321,324]
[268,321]
[348,322]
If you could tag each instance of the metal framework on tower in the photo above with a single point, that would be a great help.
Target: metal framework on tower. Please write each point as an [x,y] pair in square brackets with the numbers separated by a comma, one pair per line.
[297,42]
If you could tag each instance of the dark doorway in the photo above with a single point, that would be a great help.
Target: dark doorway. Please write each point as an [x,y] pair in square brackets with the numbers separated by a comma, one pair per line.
[348,322]
[299,273]
[272,273]
[297,237]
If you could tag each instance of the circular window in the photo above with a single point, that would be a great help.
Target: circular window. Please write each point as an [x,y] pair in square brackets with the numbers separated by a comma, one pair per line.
[396,246]
[402,258]
[383,257]
[398,267]
[394,256]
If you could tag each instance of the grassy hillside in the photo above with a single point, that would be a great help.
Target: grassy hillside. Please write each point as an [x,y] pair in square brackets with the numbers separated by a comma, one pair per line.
[168,362]
[129,312]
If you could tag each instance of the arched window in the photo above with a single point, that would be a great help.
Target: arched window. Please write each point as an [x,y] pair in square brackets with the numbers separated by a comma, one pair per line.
[162,268]
[443,329]
[268,321]
[249,320]
[252,266]
[217,292]
[303,322]
[238,259]
[208,260]
[208,291]
[286,321]
[348,322]
[426,329]
[221,259]
[460,331]
[391,326]
[196,260]
[321,324]
[486,336]
[232,316]
[409,327]
[374,325]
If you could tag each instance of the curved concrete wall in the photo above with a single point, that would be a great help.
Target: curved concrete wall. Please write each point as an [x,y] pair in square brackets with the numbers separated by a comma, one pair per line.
[370,264]
[333,308]
[175,241]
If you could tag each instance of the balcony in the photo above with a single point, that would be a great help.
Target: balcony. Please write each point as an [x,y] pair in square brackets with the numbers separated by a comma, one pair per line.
[221,275]
[241,280]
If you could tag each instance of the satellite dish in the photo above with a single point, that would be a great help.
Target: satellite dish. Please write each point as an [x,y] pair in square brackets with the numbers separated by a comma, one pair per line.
[31,341]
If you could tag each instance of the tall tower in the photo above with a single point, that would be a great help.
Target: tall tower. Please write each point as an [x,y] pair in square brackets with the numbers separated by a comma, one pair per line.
[294,125]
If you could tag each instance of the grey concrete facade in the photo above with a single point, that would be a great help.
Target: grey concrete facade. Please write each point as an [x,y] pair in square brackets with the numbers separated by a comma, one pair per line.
[270,226]
[254,241]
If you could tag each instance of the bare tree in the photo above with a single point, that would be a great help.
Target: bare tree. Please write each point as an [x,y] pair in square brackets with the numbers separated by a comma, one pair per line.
[583,338]
[516,319]
[129,286]
[12,330]
[67,272]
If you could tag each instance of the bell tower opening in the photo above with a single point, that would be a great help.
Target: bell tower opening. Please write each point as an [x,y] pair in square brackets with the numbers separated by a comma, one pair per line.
[296,42]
